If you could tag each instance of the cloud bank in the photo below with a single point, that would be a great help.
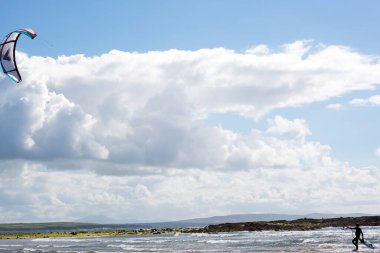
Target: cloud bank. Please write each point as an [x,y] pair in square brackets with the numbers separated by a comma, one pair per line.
[80,121]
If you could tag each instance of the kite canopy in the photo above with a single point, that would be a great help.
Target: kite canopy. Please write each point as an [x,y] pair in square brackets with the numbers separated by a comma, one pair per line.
[8,52]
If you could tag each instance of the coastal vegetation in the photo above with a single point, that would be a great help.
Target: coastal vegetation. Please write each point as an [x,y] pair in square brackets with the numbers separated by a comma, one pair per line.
[123,232]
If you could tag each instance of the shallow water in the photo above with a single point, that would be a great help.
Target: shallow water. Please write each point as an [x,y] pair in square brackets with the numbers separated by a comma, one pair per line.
[324,240]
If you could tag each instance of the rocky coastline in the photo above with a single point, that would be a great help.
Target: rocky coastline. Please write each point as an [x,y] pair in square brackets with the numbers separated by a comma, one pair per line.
[300,224]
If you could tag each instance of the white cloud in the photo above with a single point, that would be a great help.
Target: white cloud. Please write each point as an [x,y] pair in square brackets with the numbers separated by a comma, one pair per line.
[259,50]
[377,152]
[138,108]
[213,80]
[373,100]
[34,193]
[334,106]
[296,129]
[298,48]
[78,121]
[37,123]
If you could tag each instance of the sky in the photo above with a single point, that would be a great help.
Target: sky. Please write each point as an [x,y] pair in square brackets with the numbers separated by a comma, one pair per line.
[166,110]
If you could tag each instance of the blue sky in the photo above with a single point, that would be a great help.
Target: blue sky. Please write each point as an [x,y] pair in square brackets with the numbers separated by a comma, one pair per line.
[204,93]
[99,26]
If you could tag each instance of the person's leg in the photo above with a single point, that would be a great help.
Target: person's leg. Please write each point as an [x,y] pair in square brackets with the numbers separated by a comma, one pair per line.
[355,242]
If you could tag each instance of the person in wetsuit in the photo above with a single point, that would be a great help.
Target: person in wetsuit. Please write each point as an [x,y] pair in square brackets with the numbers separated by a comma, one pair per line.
[358,232]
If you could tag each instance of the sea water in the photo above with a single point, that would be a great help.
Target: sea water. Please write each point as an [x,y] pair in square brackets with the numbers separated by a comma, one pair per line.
[323,240]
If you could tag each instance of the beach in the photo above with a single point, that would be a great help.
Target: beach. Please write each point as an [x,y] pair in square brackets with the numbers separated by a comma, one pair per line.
[301,235]
[320,240]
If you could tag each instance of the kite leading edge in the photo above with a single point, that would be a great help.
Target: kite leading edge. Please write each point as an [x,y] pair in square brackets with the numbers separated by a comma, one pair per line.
[8,52]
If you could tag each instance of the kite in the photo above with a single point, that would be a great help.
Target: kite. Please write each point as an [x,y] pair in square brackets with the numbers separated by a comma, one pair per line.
[8,53]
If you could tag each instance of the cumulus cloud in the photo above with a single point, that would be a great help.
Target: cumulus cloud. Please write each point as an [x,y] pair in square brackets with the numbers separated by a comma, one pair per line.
[295,129]
[37,123]
[136,115]
[137,109]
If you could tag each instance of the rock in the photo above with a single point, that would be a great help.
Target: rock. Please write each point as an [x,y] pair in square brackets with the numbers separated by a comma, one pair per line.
[300,224]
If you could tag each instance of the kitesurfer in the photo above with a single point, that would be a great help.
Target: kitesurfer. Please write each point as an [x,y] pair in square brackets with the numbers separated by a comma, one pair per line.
[358,232]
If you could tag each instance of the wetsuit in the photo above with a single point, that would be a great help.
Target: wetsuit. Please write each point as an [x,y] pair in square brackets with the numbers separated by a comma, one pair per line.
[358,232]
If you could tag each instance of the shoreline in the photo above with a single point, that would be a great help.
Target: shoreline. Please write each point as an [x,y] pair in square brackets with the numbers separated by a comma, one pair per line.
[97,233]
[279,225]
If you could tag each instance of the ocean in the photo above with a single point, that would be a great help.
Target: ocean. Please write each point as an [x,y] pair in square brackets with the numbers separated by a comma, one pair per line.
[323,240]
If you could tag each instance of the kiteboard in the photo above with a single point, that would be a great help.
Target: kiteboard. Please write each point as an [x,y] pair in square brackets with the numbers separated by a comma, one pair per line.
[368,244]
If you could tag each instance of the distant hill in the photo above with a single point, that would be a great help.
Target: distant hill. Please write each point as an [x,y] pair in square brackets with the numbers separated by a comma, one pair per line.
[101,219]
[268,217]
[200,222]
[48,226]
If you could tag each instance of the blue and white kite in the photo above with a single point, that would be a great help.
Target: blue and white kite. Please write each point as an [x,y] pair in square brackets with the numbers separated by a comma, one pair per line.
[8,53]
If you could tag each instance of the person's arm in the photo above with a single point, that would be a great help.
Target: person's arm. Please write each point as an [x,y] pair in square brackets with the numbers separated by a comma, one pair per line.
[361,232]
